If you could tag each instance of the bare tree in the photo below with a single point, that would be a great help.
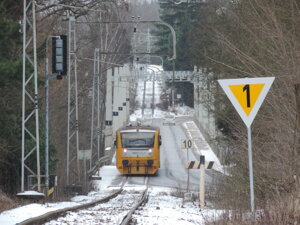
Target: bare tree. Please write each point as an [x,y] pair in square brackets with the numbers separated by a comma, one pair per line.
[109,38]
[258,39]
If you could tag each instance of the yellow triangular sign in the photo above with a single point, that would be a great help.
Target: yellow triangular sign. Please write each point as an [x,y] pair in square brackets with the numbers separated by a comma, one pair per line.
[246,95]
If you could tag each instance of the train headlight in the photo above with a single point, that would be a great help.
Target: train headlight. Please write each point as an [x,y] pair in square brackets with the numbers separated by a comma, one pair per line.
[150,150]
[125,150]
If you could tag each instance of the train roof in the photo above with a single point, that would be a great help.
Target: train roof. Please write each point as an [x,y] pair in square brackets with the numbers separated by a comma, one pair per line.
[138,127]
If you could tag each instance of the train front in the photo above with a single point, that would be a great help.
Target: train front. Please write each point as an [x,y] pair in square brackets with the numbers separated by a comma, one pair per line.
[138,150]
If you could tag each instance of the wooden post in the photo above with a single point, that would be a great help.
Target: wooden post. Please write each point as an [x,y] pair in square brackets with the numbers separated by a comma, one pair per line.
[202,182]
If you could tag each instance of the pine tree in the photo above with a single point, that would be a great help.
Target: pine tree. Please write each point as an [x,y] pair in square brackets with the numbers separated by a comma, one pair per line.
[10,99]
[183,18]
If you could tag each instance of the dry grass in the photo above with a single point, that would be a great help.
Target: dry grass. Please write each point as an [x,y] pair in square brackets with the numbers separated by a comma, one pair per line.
[6,202]
[282,210]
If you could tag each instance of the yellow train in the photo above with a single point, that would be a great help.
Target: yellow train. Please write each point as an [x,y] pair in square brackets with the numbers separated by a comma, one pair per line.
[137,150]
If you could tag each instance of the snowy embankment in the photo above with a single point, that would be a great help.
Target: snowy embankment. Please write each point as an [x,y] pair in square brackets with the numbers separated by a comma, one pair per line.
[22,213]
[164,207]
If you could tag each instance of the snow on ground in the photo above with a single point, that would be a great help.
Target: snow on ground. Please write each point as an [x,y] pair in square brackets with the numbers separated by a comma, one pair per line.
[163,207]
[17,215]
[111,212]
[107,174]
[30,193]
[184,111]
[22,213]
[137,115]
[158,113]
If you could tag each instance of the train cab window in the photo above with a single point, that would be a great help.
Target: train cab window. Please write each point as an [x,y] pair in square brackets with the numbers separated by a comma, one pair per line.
[137,139]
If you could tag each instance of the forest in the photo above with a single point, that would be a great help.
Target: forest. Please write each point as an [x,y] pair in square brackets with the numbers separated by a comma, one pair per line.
[236,39]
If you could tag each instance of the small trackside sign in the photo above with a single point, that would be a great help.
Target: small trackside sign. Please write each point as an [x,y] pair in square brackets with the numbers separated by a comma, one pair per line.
[247,95]
[187,144]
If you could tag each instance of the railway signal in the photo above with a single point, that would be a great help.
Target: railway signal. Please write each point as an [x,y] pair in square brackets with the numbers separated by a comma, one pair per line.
[247,95]
[59,55]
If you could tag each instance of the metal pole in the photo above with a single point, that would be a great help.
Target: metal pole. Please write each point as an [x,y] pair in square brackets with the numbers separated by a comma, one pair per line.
[76,111]
[30,110]
[114,101]
[73,135]
[128,98]
[98,110]
[173,84]
[109,109]
[69,100]
[93,109]
[116,94]
[85,180]
[46,120]
[251,171]
[36,99]
[95,125]
[144,93]
[153,93]
[23,96]
[202,182]
[148,45]
[47,77]
[119,98]
[188,178]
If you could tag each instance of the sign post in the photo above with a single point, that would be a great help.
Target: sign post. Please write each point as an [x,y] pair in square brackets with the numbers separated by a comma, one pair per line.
[250,162]
[247,95]
[202,182]
[187,144]
[202,165]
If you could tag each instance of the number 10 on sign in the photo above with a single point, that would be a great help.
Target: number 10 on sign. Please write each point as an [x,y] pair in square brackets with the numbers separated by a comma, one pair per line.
[186,144]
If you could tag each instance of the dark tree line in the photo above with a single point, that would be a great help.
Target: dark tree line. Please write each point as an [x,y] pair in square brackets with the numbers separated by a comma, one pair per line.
[10,95]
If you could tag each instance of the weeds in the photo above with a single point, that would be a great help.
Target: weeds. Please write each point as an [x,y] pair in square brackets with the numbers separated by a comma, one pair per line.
[6,202]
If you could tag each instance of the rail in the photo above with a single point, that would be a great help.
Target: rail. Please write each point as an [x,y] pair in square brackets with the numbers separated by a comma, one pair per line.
[127,219]
[61,212]
[57,213]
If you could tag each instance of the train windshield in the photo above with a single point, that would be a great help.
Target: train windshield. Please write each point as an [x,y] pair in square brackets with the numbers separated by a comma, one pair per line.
[138,139]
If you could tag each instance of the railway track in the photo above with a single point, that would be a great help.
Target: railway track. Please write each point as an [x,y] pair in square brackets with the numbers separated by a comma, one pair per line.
[144,198]
[117,208]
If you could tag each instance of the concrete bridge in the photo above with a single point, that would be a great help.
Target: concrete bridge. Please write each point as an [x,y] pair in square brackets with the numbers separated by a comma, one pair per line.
[205,89]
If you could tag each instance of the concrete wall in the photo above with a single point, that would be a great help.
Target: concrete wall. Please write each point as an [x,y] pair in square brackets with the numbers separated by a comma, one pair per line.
[204,87]
[117,102]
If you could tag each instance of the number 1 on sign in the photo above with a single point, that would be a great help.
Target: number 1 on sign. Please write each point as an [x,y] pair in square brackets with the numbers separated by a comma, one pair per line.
[247,89]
